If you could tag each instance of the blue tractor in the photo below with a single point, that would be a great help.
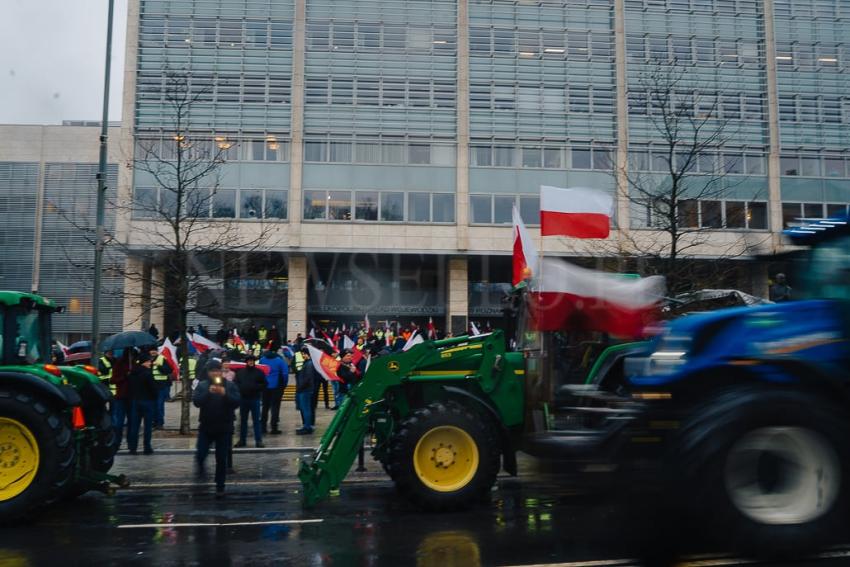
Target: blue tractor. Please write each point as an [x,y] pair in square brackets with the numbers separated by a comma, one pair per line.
[748,409]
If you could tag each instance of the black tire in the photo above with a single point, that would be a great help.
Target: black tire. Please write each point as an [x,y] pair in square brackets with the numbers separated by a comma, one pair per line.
[742,443]
[57,453]
[403,445]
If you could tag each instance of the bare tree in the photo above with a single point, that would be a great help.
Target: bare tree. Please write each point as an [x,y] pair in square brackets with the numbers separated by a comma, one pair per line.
[176,230]
[684,170]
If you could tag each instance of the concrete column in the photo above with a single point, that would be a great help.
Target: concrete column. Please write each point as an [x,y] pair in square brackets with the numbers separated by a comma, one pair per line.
[623,220]
[458,304]
[462,106]
[773,170]
[296,305]
[39,219]
[296,146]
[126,140]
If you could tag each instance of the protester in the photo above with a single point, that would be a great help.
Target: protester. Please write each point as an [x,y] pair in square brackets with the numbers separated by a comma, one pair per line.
[322,384]
[306,383]
[276,382]
[349,374]
[162,372]
[252,383]
[217,399]
[143,392]
[122,404]
[780,290]
[153,331]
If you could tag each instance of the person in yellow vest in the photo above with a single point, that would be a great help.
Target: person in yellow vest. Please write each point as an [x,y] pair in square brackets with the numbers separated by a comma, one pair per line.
[104,367]
[263,335]
[162,376]
[257,349]
[361,343]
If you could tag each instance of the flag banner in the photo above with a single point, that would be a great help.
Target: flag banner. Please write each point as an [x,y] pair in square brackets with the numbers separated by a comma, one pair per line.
[203,344]
[239,365]
[169,352]
[325,364]
[347,343]
[574,298]
[524,254]
[576,212]
[475,331]
[432,331]
[414,340]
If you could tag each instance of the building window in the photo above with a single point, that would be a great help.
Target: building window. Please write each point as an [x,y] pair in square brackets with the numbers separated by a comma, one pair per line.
[224,204]
[366,205]
[250,203]
[480,209]
[443,207]
[339,205]
[315,203]
[418,207]
[392,206]
[275,204]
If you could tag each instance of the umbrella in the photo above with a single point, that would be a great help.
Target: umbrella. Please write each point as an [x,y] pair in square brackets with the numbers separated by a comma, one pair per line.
[128,339]
[80,346]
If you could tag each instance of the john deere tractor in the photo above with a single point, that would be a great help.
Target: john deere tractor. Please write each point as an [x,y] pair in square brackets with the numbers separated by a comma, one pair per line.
[740,417]
[56,436]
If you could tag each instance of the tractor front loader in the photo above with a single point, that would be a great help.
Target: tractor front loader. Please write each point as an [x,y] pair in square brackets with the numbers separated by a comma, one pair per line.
[445,416]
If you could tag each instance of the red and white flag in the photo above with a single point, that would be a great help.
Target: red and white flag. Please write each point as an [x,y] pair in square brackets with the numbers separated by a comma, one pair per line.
[169,353]
[237,340]
[475,332]
[239,365]
[574,298]
[432,331]
[368,326]
[64,348]
[347,343]
[202,344]
[576,212]
[325,364]
[525,256]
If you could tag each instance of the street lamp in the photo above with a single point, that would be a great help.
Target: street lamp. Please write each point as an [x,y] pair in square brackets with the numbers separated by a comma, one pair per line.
[101,193]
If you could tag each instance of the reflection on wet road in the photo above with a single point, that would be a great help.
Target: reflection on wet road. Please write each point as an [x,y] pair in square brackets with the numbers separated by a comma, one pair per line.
[527,522]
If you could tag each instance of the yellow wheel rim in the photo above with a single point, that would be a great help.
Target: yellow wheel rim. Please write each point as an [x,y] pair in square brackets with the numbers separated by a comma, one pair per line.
[446,458]
[19,458]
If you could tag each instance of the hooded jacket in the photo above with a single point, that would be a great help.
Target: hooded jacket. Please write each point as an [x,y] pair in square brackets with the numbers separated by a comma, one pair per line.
[279,374]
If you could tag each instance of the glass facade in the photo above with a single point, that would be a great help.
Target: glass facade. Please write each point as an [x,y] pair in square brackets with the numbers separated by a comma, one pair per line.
[380,108]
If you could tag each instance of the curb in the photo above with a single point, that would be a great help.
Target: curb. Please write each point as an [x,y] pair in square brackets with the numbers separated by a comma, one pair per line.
[126,453]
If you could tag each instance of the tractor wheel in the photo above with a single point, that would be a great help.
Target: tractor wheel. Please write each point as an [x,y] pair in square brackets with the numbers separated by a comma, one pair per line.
[444,457]
[37,454]
[101,457]
[767,471]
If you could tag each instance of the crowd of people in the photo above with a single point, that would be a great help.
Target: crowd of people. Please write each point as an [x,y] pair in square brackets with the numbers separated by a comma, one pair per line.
[244,374]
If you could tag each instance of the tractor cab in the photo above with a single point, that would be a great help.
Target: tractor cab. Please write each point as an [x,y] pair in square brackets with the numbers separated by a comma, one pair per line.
[25,325]
[573,385]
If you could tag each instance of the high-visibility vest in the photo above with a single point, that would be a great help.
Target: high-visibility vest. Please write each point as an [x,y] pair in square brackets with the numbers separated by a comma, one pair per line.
[193,363]
[157,375]
[106,378]
[258,349]
[262,334]
[299,361]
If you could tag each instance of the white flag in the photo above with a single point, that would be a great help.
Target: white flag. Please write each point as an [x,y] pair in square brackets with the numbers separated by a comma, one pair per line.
[347,343]
[475,331]
[414,340]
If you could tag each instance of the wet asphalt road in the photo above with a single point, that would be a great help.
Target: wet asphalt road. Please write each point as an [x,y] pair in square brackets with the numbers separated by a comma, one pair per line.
[536,519]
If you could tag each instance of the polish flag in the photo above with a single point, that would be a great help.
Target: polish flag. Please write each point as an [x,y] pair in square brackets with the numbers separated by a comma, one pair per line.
[169,353]
[239,365]
[573,298]
[237,339]
[202,344]
[312,333]
[475,331]
[432,331]
[525,256]
[368,326]
[325,364]
[63,347]
[347,343]
[576,212]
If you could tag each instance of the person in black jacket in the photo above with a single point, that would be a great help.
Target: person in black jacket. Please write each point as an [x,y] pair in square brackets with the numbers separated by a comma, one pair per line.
[217,399]
[143,392]
[252,383]
[349,374]
[306,381]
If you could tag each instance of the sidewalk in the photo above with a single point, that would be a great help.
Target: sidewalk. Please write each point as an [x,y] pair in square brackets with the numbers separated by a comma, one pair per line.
[169,439]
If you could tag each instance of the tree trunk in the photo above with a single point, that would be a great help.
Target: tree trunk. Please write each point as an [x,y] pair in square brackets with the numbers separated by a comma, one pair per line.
[185,379]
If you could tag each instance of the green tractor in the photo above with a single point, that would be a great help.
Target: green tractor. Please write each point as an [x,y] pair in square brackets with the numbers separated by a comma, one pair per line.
[56,435]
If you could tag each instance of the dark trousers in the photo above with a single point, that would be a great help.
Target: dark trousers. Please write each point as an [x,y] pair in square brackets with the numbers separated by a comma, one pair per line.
[162,396]
[323,384]
[121,410]
[222,442]
[141,410]
[304,401]
[252,407]
[271,402]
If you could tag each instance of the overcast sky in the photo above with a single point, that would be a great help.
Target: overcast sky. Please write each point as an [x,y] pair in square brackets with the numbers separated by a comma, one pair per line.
[51,60]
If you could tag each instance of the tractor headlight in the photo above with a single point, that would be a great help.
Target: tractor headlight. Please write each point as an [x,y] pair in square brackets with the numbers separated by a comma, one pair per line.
[672,353]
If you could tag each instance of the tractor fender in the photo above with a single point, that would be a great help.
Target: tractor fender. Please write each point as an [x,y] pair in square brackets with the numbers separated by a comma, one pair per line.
[803,374]
[62,396]
[508,451]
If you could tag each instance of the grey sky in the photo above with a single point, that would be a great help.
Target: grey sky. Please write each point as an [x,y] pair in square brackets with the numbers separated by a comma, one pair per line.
[51,60]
